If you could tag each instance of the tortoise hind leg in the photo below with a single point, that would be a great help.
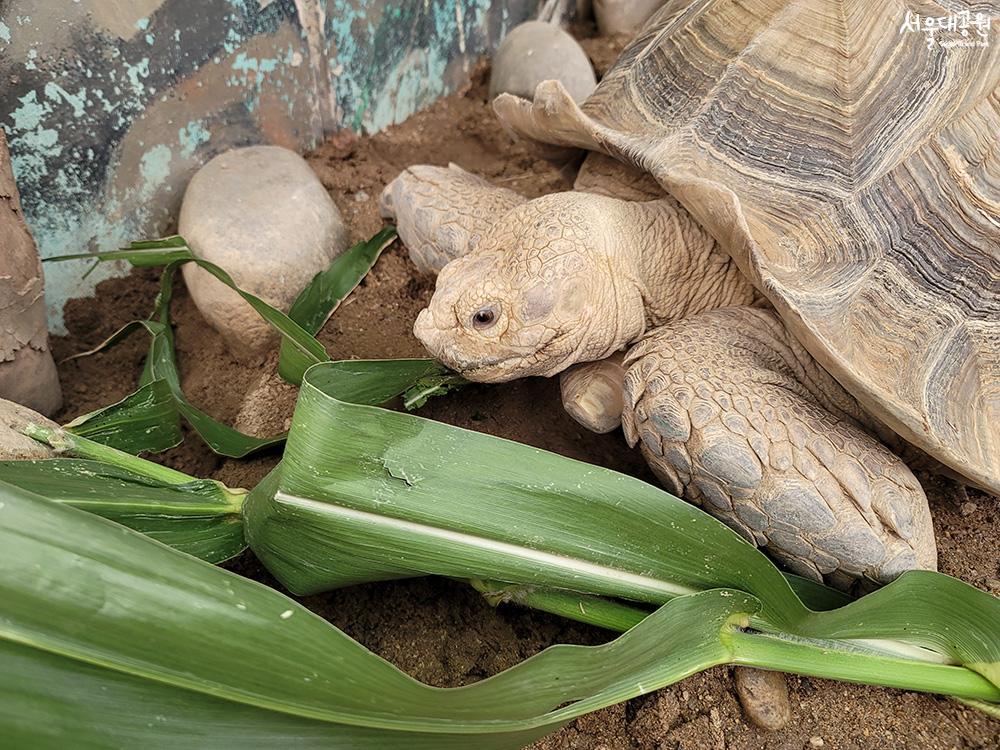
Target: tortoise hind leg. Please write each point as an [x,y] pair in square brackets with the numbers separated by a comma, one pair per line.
[736,416]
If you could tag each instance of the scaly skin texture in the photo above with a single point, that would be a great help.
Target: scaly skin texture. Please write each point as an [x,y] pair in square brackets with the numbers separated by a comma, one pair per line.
[442,213]
[573,277]
[732,413]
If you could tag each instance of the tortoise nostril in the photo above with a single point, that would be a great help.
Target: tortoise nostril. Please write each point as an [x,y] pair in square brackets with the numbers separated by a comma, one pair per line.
[432,320]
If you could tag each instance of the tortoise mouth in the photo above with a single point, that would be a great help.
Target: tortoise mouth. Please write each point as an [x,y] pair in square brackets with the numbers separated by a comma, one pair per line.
[522,362]
[441,344]
[489,361]
[490,372]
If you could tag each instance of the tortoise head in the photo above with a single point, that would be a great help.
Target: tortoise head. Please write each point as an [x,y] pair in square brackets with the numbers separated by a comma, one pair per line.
[538,294]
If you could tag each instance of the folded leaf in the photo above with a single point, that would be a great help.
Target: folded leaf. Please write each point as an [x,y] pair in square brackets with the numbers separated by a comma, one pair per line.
[367,494]
[109,639]
[200,517]
[145,420]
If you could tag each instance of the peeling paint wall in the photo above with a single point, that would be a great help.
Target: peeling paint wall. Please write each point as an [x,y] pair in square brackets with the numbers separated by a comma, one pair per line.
[110,105]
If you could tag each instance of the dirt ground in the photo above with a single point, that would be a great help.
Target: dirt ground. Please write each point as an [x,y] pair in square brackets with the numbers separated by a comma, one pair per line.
[442,632]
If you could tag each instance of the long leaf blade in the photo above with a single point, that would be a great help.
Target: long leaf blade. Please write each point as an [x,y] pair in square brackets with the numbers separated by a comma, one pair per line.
[368,494]
[174,250]
[321,297]
[171,639]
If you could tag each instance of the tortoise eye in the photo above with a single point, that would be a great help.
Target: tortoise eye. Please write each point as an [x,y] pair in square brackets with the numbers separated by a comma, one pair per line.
[484,317]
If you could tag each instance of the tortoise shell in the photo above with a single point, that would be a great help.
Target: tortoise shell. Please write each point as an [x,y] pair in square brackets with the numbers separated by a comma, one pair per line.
[850,163]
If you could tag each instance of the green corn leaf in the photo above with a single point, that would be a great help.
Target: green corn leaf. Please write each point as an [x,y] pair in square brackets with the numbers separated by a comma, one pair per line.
[161,365]
[430,386]
[174,251]
[430,477]
[365,494]
[145,420]
[109,639]
[321,297]
[199,517]
[368,494]
[148,420]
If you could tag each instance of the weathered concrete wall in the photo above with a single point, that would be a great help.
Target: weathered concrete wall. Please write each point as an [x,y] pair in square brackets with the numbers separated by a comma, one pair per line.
[110,105]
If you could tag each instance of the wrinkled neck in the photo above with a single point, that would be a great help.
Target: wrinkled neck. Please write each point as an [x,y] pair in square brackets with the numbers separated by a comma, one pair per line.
[679,268]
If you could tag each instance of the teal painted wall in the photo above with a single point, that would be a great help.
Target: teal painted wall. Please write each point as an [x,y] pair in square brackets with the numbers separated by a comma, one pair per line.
[110,105]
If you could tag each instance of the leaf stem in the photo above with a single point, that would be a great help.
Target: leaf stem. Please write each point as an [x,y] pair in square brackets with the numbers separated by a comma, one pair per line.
[840,661]
[591,610]
[908,668]
[63,441]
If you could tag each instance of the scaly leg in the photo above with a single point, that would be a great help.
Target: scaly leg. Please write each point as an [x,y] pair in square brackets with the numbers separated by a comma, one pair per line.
[441,213]
[737,417]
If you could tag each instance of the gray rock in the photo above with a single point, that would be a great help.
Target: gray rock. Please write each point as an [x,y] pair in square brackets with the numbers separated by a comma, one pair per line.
[14,445]
[262,215]
[623,16]
[537,51]
[764,697]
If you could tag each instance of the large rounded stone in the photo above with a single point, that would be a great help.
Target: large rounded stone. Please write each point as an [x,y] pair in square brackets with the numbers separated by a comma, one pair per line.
[262,215]
[27,372]
[623,16]
[537,51]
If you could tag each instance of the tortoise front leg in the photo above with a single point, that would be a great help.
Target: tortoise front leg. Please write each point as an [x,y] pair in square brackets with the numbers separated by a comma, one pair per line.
[441,213]
[735,415]
[593,394]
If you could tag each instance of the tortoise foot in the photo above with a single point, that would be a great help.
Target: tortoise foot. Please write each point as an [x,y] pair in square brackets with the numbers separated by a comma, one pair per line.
[592,393]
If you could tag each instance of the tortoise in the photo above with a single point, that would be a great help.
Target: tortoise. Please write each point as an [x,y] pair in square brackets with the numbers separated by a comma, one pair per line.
[788,217]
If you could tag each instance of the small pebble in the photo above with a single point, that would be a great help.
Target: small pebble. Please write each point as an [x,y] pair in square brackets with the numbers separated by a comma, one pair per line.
[816,742]
[764,697]
[623,16]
